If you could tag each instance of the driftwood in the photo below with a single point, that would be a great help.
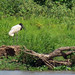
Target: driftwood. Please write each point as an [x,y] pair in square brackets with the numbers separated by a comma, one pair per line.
[48,58]
[9,50]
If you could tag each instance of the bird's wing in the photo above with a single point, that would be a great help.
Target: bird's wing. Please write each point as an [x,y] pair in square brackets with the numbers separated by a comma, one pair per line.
[16,27]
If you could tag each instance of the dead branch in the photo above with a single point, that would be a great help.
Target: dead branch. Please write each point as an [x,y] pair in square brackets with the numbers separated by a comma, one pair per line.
[59,52]
[47,58]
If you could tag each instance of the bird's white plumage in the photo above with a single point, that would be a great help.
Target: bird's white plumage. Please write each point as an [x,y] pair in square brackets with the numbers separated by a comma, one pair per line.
[14,30]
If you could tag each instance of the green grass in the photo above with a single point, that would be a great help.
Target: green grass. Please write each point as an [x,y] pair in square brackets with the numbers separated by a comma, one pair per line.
[11,63]
[49,24]
[41,34]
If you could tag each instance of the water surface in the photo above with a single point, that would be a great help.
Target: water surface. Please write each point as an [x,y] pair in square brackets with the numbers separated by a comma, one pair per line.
[37,73]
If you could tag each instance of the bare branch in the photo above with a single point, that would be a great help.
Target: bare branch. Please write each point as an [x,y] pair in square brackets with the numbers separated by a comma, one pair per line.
[46,58]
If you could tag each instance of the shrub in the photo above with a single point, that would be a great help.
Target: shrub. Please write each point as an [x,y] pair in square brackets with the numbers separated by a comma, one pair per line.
[28,8]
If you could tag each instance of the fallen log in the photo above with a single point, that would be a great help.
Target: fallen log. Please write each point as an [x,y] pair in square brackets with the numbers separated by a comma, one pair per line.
[9,50]
[48,58]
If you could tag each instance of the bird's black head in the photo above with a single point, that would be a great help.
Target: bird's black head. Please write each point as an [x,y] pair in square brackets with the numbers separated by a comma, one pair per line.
[22,27]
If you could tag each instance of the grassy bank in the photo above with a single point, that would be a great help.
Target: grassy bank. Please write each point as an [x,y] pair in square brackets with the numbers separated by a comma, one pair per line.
[41,34]
[13,63]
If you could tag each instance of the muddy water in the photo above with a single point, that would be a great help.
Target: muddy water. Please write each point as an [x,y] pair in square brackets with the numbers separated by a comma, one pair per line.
[37,73]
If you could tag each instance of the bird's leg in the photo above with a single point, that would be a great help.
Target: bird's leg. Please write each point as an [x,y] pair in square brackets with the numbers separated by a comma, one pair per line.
[17,38]
[13,40]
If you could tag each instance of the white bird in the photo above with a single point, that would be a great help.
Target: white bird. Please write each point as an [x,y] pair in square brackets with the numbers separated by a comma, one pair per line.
[16,29]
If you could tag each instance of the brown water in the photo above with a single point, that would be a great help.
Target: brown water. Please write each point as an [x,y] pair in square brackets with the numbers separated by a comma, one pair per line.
[37,73]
